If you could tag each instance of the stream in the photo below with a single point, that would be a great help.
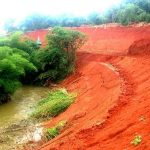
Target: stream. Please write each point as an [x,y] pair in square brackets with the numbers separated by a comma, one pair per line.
[15,127]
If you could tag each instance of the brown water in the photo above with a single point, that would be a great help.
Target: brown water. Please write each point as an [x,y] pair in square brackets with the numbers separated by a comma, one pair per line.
[14,123]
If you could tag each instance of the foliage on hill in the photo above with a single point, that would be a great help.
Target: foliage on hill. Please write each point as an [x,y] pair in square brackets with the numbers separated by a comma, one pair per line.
[128,11]
[57,60]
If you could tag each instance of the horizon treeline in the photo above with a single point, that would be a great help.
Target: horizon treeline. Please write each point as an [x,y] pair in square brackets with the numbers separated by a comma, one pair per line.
[127,12]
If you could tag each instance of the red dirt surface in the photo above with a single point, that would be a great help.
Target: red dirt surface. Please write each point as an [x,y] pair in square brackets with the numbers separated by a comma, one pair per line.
[41,34]
[113,101]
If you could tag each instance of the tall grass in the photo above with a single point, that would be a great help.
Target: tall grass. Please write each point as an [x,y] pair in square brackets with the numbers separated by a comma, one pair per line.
[56,102]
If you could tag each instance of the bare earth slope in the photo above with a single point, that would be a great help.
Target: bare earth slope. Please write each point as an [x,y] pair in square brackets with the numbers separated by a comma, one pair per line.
[112,82]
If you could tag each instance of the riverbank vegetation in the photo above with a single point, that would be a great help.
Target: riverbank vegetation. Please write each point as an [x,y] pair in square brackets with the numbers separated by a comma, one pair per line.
[13,65]
[58,58]
[23,61]
[56,102]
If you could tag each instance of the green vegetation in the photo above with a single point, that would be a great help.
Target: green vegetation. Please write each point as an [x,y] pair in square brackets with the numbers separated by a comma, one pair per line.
[137,140]
[127,12]
[19,41]
[57,60]
[13,65]
[23,61]
[51,133]
[40,21]
[56,102]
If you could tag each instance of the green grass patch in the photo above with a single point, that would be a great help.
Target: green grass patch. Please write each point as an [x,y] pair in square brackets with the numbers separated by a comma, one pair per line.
[56,102]
[51,133]
[137,140]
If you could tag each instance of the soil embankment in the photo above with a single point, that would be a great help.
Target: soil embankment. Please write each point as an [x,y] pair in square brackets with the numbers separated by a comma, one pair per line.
[112,82]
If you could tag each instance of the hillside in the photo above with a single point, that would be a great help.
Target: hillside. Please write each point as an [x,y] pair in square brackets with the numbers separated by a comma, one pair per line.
[112,82]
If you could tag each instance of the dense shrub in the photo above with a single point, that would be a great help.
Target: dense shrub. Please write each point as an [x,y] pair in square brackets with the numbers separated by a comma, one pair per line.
[13,65]
[23,46]
[54,65]
[20,58]
[57,60]
[66,40]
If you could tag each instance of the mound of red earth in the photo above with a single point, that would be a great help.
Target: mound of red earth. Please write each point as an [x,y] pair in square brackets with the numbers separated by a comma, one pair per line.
[112,106]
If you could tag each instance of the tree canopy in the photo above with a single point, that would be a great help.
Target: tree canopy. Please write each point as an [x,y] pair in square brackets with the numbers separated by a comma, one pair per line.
[57,60]
[129,11]
[13,65]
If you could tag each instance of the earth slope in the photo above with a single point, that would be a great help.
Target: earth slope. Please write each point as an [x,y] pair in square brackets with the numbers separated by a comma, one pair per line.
[112,82]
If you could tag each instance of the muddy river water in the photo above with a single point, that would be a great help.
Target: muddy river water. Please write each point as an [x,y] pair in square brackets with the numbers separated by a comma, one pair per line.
[15,127]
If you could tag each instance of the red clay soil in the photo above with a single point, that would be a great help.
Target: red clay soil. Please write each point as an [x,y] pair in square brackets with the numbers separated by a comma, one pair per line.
[113,101]
[41,34]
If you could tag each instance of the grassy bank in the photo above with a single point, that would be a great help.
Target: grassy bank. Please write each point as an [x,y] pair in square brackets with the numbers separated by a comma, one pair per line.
[56,102]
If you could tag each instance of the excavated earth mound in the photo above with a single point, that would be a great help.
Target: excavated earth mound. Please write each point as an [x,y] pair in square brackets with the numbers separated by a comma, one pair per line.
[112,82]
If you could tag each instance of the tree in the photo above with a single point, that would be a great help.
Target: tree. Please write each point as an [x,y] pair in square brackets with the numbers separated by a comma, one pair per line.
[33,22]
[143,4]
[96,18]
[13,65]
[111,15]
[128,14]
[58,58]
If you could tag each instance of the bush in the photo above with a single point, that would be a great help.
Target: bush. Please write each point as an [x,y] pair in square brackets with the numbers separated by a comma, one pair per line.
[13,65]
[54,65]
[57,60]
[56,102]
[19,56]
[23,46]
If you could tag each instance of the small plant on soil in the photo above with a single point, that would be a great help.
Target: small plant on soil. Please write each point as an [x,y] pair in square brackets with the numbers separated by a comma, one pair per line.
[56,102]
[51,133]
[137,140]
